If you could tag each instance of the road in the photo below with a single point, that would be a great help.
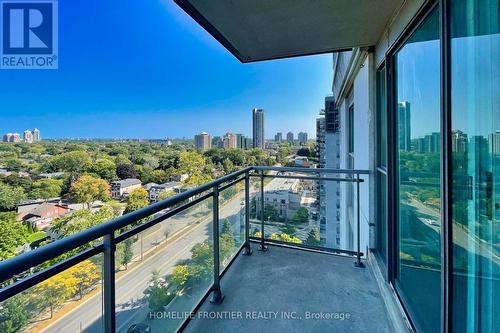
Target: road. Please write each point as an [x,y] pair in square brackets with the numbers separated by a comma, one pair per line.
[131,306]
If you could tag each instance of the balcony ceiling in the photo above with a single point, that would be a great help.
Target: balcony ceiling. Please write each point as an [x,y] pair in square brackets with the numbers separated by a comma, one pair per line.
[256,30]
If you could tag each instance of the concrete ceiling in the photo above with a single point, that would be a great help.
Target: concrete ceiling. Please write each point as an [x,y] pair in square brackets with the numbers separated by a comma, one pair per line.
[255,30]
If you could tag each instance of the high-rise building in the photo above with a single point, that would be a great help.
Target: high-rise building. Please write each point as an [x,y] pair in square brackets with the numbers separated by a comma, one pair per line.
[241,141]
[258,128]
[6,137]
[302,136]
[331,232]
[28,136]
[278,137]
[458,141]
[202,141]
[229,141]
[289,137]
[36,135]
[15,137]
[404,126]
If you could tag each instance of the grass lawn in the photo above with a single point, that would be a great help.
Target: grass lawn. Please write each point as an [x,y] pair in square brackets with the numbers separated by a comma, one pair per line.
[36,236]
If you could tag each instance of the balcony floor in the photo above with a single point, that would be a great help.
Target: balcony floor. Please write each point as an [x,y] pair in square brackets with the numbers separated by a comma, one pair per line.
[286,281]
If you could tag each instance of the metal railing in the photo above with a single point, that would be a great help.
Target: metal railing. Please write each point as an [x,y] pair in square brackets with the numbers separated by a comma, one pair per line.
[112,233]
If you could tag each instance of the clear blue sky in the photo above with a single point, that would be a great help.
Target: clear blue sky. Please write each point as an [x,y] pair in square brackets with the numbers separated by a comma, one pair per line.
[144,69]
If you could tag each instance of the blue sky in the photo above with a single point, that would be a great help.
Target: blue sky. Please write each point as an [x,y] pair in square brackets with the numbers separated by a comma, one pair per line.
[144,69]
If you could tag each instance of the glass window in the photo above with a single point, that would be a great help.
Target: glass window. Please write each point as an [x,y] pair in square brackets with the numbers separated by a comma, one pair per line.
[381,163]
[417,113]
[381,117]
[382,216]
[351,129]
[475,52]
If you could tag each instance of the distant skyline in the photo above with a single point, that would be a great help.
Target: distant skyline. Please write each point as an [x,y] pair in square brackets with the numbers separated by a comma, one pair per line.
[164,77]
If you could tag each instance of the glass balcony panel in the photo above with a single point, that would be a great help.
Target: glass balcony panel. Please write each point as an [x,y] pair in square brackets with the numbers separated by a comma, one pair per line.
[175,271]
[70,301]
[231,222]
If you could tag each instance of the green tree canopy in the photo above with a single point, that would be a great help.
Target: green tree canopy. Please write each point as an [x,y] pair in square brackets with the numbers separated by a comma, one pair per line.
[10,196]
[46,188]
[88,189]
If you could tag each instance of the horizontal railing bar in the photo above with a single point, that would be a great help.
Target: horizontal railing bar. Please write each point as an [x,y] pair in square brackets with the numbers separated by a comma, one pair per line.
[313,170]
[232,183]
[148,224]
[337,179]
[38,277]
[308,247]
[29,259]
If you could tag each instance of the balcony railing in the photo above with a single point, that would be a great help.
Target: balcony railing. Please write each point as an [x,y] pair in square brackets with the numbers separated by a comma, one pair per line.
[208,213]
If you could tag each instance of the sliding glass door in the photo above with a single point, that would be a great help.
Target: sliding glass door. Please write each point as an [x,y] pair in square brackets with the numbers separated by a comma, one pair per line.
[417,115]
[475,93]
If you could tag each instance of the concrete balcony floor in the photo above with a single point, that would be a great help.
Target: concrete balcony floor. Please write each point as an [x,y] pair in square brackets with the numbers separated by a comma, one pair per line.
[265,291]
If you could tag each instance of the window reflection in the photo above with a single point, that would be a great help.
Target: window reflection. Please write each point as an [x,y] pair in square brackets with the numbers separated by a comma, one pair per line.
[418,145]
[476,165]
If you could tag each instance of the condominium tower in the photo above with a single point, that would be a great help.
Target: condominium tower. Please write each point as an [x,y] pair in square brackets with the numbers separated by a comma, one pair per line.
[258,128]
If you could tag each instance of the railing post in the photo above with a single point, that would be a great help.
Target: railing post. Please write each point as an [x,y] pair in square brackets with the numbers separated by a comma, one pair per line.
[217,297]
[358,262]
[109,283]
[248,249]
[263,246]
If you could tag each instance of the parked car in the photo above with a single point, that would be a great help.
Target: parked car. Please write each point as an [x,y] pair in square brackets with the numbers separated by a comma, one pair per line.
[139,328]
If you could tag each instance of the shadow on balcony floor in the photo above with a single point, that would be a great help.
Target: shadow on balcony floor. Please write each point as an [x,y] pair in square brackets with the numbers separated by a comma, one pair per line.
[292,282]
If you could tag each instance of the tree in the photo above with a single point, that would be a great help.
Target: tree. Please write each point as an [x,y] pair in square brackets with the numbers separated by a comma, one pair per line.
[14,164]
[55,291]
[180,276]
[10,196]
[14,314]
[127,253]
[201,265]
[165,194]
[313,237]
[301,215]
[105,168]
[86,274]
[88,189]
[304,152]
[73,162]
[137,199]
[14,234]
[79,220]
[46,188]
[158,294]
[124,171]
[270,213]
[227,243]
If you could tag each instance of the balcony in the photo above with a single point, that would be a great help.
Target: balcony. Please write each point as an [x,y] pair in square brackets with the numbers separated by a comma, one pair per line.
[201,253]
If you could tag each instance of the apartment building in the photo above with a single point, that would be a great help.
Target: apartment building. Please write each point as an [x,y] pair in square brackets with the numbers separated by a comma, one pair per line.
[121,188]
[202,141]
[258,128]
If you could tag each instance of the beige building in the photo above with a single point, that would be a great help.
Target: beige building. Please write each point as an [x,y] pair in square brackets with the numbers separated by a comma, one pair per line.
[229,141]
[202,141]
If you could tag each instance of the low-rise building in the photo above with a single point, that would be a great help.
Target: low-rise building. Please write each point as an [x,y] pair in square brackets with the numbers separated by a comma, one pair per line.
[301,162]
[121,188]
[41,214]
[284,195]
[154,190]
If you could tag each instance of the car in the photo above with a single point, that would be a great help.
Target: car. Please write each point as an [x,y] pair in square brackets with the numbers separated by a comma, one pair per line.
[242,203]
[139,328]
